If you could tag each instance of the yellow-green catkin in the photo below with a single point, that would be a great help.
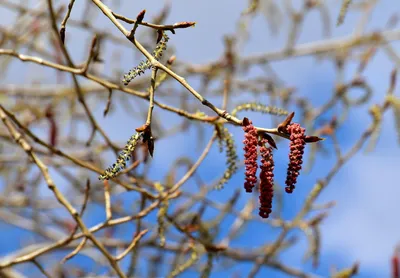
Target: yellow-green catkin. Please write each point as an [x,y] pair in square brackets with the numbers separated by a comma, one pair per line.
[145,65]
[161,214]
[228,142]
[258,107]
[219,129]
[124,156]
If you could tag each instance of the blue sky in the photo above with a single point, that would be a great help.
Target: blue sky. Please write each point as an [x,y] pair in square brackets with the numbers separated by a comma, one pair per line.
[363,225]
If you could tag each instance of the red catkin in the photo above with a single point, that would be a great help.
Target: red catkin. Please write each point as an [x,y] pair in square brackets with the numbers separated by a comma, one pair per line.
[250,153]
[297,144]
[266,179]
[396,265]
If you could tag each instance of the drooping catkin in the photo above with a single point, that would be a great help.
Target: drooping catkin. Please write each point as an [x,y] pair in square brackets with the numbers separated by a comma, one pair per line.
[161,214]
[124,156]
[266,179]
[297,144]
[228,143]
[145,65]
[250,153]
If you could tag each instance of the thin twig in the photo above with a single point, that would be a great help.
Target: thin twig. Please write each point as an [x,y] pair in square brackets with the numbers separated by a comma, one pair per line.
[64,22]
[132,245]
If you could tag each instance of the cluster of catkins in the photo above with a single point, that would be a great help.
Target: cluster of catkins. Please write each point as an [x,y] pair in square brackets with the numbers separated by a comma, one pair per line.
[251,142]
